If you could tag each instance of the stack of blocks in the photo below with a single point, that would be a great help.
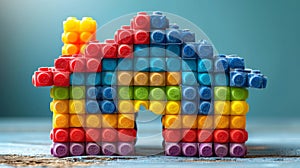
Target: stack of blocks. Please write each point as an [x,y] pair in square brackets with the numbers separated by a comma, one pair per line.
[99,87]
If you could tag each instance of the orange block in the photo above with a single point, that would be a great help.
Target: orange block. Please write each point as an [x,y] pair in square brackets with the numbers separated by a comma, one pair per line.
[172,121]
[109,121]
[221,121]
[125,78]
[205,122]
[70,49]
[157,79]
[77,120]
[237,122]
[126,121]
[173,78]
[60,120]
[141,79]
[60,106]
[189,121]
[93,120]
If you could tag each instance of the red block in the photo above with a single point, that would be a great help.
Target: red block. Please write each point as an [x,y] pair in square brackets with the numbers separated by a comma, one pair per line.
[43,77]
[77,64]
[93,65]
[205,136]
[59,135]
[124,35]
[93,50]
[109,49]
[172,135]
[109,135]
[77,135]
[126,135]
[62,63]
[189,135]
[61,78]
[125,51]
[238,136]
[141,37]
[221,136]
[141,21]
[92,135]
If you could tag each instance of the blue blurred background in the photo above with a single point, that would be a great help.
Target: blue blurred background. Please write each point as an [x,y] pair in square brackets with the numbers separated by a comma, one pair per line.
[265,33]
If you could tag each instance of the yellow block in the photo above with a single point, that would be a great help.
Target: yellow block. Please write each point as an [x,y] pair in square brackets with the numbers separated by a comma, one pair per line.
[77,120]
[125,78]
[70,37]
[239,107]
[139,103]
[60,121]
[126,121]
[125,106]
[93,120]
[70,49]
[221,122]
[88,24]
[85,37]
[157,107]
[173,107]
[60,106]
[173,78]
[172,121]
[141,78]
[157,79]
[72,24]
[222,107]
[189,121]
[237,122]
[109,121]
[77,106]
[205,122]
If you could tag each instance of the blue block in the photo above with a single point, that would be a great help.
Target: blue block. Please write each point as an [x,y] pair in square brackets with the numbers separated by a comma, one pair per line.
[141,64]
[158,20]
[93,92]
[125,64]
[221,64]
[109,64]
[205,93]
[205,108]
[205,65]
[189,93]
[157,64]
[92,107]
[189,65]
[173,64]
[205,50]
[141,50]
[256,79]
[173,35]
[189,107]
[108,78]
[108,93]
[204,79]
[157,50]
[238,78]
[189,50]
[173,50]
[107,107]
[235,62]
[221,79]
[77,79]
[158,36]
[187,36]
[93,79]
[189,78]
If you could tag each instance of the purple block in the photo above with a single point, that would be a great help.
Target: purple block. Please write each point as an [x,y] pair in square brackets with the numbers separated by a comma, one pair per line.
[238,150]
[109,149]
[76,149]
[172,149]
[221,150]
[125,148]
[189,149]
[92,148]
[205,149]
[60,149]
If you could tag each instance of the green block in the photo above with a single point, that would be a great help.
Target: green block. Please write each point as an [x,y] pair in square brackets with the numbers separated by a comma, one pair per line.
[173,93]
[157,93]
[125,92]
[238,93]
[222,93]
[59,93]
[141,93]
[77,92]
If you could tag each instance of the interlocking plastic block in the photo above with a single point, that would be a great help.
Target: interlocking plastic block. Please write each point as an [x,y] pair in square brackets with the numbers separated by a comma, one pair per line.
[125,51]
[221,79]
[109,121]
[173,78]
[141,50]
[125,92]
[187,36]
[189,149]
[77,149]
[93,120]
[61,78]
[127,135]
[256,79]
[77,120]
[109,64]
[126,121]
[77,92]
[109,135]
[189,135]
[157,93]
[238,93]
[239,108]
[238,135]
[109,49]
[222,107]
[141,37]
[221,136]
[60,121]
[157,50]
[93,79]
[189,93]
[235,62]
[141,21]
[189,121]
[237,150]
[60,135]
[238,78]
[60,149]
[173,34]
[77,78]
[159,21]
[60,106]
[221,122]
[70,37]
[189,107]
[93,134]
[205,122]
[189,65]
[205,50]
[70,49]
[93,65]
[77,135]
[125,148]
[78,64]
[172,135]
[157,107]
[205,65]
[173,50]
[141,93]
[172,149]
[141,79]
[62,63]
[107,107]
[205,149]
[173,107]
[221,64]
[189,50]
[158,36]
[157,78]
[93,50]
[92,107]
[108,93]
[189,78]
[93,92]
[205,135]
[109,149]
[205,93]
[205,107]
[205,79]
[92,148]
[173,64]
[222,93]
[108,78]
[141,64]
[221,150]
[140,105]
[157,64]
[76,106]
[59,93]
[173,93]
[125,78]
[43,77]
[237,122]
[125,106]
[124,35]
[125,64]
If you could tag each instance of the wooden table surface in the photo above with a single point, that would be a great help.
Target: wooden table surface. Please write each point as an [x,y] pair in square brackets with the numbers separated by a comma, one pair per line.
[272,143]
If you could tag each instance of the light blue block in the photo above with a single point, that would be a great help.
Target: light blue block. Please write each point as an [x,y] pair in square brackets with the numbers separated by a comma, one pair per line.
[158,20]
[77,79]
[173,50]
[221,79]
[189,78]
[173,35]
[189,50]
[157,50]
[221,64]
[189,93]
[141,64]
[93,79]
[205,49]
[157,64]
[93,92]
[173,64]
[141,50]
[108,78]
[125,64]
[189,107]
[205,65]
[189,65]
[187,36]
[204,79]
[109,64]
[92,107]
